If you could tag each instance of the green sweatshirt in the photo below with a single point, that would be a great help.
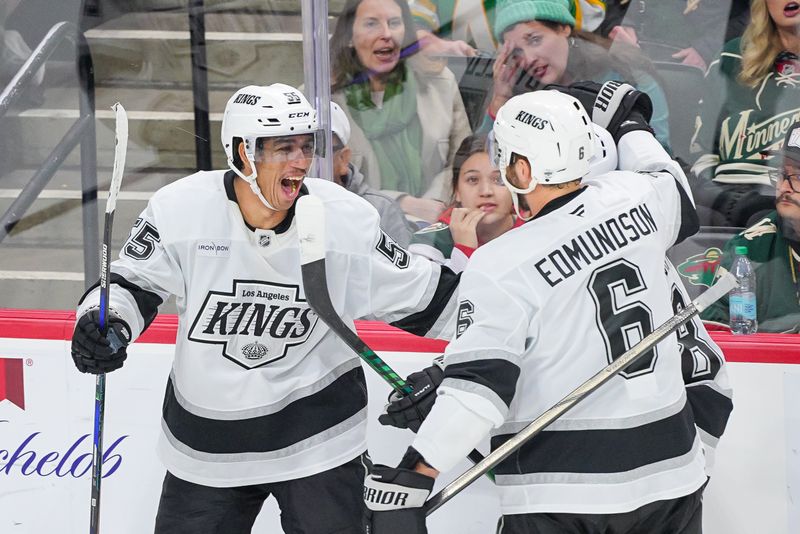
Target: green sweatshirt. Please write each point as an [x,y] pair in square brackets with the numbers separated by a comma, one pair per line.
[776,292]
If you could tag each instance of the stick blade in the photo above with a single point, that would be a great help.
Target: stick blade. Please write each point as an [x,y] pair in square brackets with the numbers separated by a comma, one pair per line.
[721,287]
[120,151]
[310,213]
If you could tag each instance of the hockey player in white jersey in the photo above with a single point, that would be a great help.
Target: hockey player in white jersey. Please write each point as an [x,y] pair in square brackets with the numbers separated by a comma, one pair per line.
[545,307]
[263,399]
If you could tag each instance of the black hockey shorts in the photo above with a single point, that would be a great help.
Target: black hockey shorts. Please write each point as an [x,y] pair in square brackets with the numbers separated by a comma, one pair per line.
[330,502]
[683,515]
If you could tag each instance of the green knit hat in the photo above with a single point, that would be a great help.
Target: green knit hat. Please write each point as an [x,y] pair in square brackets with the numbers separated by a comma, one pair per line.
[510,12]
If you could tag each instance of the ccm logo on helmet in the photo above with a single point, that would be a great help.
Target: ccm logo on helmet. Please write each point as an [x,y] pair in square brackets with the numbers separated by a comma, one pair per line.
[299,114]
[532,120]
[247,99]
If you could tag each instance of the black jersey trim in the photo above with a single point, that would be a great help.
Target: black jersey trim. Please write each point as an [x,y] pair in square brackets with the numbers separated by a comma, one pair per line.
[690,222]
[300,420]
[284,225]
[558,202]
[711,409]
[498,375]
[147,301]
[601,451]
[421,322]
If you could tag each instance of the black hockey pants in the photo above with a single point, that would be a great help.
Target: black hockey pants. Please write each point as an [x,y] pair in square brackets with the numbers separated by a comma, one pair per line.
[675,516]
[327,503]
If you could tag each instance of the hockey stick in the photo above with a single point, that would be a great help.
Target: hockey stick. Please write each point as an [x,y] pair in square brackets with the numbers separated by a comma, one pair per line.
[310,215]
[120,150]
[722,287]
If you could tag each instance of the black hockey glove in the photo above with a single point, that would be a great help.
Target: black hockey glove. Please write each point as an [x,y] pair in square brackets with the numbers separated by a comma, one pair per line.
[395,498]
[94,352]
[408,411]
[616,106]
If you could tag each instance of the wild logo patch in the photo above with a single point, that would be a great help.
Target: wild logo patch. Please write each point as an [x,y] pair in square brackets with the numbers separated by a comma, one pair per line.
[699,269]
[256,323]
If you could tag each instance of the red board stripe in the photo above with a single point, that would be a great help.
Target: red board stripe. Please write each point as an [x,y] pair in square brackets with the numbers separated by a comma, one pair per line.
[45,324]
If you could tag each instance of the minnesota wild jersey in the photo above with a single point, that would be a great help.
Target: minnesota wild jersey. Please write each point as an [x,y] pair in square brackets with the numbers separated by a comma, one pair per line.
[738,122]
[776,264]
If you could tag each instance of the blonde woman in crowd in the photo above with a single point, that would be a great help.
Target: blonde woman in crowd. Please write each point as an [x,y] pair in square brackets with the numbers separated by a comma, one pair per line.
[752,96]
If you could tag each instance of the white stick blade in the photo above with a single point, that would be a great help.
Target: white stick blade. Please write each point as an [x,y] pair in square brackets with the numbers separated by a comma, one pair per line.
[721,287]
[120,151]
[310,213]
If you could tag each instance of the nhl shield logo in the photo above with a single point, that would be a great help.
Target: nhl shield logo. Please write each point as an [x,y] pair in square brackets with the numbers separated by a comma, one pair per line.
[264,240]
[256,323]
[700,269]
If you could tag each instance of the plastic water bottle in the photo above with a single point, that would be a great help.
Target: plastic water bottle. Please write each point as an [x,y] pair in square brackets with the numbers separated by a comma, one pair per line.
[742,300]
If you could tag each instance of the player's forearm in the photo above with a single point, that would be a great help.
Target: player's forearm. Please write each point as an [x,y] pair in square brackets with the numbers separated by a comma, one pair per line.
[449,432]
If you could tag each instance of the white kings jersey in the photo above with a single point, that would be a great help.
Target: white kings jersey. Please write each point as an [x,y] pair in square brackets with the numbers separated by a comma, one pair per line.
[546,306]
[260,389]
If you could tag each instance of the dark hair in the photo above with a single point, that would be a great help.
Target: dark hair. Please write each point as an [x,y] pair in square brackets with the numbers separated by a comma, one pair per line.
[469,146]
[345,65]
[237,159]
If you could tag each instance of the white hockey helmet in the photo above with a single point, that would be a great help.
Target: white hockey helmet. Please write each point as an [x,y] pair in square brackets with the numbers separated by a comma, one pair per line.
[605,153]
[263,111]
[552,130]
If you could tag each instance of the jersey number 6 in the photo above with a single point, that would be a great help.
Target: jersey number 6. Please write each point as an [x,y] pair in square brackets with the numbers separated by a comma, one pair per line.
[622,319]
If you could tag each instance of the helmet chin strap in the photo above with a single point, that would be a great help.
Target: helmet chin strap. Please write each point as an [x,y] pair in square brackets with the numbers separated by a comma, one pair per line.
[515,201]
[516,192]
[251,180]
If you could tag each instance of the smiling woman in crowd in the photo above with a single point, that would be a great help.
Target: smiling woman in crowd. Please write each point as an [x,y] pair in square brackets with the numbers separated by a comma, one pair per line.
[406,122]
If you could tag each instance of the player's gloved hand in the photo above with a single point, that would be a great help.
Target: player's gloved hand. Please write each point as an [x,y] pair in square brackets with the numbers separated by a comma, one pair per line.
[395,499]
[94,352]
[408,411]
[616,106]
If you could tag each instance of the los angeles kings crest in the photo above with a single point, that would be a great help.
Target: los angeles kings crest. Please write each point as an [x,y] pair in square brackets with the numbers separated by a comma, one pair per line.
[256,323]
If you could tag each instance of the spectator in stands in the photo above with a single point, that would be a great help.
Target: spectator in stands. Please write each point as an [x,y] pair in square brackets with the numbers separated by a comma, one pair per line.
[540,40]
[406,123]
[752,94]
[346,174]
[453,28]
[664,29]
[773,245]
[480,210]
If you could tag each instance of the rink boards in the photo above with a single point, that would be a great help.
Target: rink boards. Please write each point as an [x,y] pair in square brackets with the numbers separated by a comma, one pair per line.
[46,417]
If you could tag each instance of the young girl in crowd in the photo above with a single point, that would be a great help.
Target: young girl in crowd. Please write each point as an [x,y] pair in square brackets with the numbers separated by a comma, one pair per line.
[481,209]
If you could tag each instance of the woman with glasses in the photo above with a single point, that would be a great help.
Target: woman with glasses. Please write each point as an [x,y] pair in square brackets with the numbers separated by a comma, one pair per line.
[406,121]
[773,244]
[752,95]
